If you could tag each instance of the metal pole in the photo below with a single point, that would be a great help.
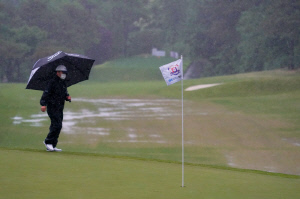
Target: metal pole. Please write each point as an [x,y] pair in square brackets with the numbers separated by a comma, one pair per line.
[182,121]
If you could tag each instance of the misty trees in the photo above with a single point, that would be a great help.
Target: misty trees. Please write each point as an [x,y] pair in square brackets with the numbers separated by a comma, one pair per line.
[216,37]
[170,16]
[227,36]
[270,35]
[282,26]
[119,17]
[68,26]
[33,29]
[18,42]
[246,35]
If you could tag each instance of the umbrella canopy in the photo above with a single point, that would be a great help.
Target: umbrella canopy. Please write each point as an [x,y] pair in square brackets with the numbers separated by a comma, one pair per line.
[78,66]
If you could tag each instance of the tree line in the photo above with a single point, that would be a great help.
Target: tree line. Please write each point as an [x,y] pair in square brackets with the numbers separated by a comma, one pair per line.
[225,36]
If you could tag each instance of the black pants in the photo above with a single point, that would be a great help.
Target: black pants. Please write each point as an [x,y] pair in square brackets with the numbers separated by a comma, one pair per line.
[55,113]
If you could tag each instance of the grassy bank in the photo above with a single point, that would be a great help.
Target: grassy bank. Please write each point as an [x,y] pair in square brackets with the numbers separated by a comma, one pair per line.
[139,68]
[250,121]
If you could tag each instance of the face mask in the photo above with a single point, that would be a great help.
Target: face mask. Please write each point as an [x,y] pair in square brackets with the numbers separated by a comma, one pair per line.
[63,76]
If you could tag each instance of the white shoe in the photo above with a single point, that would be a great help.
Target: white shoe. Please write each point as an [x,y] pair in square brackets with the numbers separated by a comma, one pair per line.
[49,147]
[56,149]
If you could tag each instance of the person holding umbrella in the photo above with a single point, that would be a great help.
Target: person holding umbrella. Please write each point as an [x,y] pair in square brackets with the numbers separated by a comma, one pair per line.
[52,75]
[53,100]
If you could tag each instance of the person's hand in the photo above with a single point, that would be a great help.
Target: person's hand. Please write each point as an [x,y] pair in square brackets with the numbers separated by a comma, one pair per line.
[43,108]
[69,98]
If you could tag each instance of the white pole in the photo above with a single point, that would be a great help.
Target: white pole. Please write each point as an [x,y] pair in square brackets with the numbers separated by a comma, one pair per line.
[182,121]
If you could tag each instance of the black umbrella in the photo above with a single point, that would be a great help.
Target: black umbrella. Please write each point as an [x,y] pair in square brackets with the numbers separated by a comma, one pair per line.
[78,66]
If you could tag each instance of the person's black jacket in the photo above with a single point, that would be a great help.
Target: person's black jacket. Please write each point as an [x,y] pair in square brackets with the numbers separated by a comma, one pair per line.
[55,93]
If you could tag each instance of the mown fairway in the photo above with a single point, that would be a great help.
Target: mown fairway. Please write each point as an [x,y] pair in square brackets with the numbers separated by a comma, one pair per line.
[29,174]
[250,121]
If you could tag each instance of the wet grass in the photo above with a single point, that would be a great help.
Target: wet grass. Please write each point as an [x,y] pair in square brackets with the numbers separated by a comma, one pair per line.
[252,118]
[238,115]
[139,68]
[88,176]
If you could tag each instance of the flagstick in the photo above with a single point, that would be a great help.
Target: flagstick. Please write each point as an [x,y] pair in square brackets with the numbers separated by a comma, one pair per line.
[182,121]
[171,80]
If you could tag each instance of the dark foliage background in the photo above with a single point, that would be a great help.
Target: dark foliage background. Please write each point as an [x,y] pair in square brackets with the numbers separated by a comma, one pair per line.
[226,36]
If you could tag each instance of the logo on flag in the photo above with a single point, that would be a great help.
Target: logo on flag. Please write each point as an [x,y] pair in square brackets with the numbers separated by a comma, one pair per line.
[171,72]
[174,70]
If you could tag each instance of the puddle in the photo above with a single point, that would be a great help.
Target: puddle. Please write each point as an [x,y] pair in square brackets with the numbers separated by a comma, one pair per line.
[137,141]
[291,141]
[270,169]
[131,135]
[113,110]
[230,160]
[32,121]
[122,110]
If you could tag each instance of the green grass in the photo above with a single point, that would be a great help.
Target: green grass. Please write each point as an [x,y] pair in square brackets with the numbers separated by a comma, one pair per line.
[138,68]
[29,174]
[251,119]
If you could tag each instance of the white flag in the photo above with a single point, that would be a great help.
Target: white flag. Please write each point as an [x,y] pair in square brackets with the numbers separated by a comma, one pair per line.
[172,72]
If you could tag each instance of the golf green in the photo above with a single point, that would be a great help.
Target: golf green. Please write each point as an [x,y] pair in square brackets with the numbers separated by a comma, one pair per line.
[39,174]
